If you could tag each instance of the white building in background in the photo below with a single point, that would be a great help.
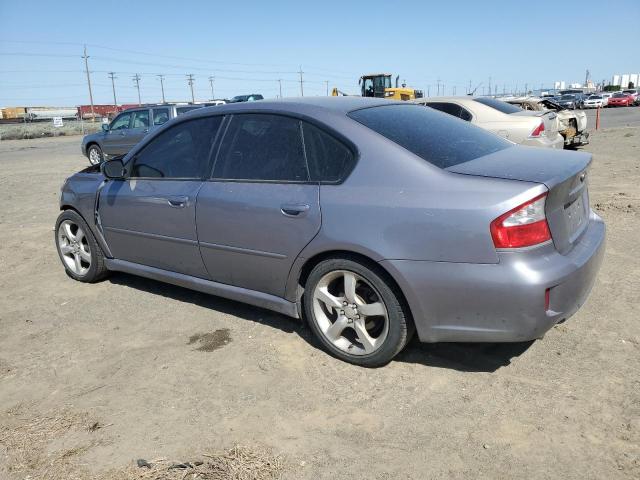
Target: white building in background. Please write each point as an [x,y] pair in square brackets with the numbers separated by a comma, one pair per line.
[559,85]
[623,80]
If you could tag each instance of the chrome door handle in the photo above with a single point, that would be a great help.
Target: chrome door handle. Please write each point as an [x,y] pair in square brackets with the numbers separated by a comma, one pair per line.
[178,202]
[294,210]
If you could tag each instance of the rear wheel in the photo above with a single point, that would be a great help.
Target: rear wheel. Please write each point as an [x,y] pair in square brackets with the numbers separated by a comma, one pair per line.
[78,249]
[95,155]
[355,312]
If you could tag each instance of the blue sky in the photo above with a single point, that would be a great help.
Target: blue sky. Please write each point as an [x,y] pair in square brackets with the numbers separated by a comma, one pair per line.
[247,46]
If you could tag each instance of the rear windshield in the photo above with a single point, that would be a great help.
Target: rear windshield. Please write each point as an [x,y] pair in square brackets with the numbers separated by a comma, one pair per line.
[437,137]
[499,105]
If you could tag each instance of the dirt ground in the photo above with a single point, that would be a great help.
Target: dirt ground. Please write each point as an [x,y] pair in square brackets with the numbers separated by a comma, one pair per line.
[94,377]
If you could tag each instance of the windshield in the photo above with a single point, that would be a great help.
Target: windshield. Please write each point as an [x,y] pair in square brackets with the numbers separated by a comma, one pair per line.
[438,138]
[633,92]
[499,105]
[619,95]
[567,97]
[595,97]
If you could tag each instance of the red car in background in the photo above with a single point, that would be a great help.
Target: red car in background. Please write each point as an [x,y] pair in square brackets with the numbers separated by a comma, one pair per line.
[620,100]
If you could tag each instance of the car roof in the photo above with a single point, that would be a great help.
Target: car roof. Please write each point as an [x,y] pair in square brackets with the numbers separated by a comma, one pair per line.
[302,105]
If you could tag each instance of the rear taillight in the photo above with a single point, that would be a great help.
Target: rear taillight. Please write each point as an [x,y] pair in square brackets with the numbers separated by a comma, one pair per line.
[524,226]
[538,131]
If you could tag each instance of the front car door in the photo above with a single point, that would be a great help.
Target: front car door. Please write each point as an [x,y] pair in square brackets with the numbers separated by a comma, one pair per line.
[260,209]
[115,139]
[149,218]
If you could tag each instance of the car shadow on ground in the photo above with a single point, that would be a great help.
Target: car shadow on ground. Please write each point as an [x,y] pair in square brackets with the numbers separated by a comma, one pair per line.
[464,357]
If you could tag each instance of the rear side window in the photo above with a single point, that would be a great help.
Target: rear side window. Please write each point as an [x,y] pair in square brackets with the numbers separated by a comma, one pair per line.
[262,147]
[160,116]
[140,119]
[440,139]
[452,109]
[179,152]
[181,110]
[499,105]
[329,159]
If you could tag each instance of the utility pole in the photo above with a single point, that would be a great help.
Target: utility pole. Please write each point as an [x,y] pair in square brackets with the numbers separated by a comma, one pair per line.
[438,83]
[112,76]
[526,89]
[162,86]
[211,80]
[428,91]
[190,81]
[280,86]
[327,83]
[301,82]
[470,86]
[489,85]
[136,79]
[86,67]
[454,90]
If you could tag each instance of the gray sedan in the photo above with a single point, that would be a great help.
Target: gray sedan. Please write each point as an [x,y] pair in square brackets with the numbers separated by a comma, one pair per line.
[370,219]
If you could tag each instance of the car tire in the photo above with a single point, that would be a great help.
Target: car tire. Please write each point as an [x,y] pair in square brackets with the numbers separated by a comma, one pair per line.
[79,252]
[94,153]
[336,313]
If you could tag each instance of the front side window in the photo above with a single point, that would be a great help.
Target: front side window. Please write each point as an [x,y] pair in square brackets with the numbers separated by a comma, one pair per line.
[121,122]
[439,139]
[160,116]
[329,159]
[141,119]
[262,147]
[179,152]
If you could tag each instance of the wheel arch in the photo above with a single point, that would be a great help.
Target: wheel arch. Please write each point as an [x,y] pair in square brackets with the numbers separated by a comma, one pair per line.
[91,144]
[296,288]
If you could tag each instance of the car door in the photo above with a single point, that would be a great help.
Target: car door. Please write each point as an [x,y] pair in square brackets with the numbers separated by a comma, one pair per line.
[259,210]
[139,127]
[115,139]
[149,217]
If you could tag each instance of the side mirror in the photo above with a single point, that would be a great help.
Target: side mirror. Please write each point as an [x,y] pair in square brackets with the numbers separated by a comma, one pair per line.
[105,127]
[113,169]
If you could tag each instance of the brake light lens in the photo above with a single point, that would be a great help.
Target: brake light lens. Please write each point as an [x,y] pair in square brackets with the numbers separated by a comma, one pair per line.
[524,226]
[538,131]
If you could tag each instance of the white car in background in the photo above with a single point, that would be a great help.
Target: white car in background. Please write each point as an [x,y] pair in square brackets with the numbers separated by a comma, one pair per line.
[605,97]
[594,101]
[533,128]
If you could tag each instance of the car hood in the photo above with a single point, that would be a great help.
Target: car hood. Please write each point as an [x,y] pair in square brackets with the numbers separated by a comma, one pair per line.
[528,164]
[92,136]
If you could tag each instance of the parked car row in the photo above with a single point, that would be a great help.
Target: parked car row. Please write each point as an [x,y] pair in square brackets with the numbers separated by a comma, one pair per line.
[132,125]
[370,218]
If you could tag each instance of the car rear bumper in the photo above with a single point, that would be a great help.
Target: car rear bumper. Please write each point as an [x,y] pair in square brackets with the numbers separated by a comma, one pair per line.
[503,302]
[556,141]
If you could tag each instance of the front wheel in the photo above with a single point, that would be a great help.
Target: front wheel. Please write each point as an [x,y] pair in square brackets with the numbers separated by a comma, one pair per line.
[95,155]
[78,249]
[355,312]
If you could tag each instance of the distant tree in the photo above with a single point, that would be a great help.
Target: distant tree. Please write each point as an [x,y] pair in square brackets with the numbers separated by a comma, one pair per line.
[611,88]
[631,85]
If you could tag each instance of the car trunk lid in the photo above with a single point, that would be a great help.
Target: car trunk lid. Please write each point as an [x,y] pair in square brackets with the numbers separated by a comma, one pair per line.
[563,173]
[549,118]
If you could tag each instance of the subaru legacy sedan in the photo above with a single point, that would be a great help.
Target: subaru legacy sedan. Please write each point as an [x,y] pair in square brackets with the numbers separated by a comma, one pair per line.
[368,218]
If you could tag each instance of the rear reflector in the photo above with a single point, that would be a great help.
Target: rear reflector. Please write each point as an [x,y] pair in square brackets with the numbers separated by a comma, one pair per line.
[538,131]
[524,226]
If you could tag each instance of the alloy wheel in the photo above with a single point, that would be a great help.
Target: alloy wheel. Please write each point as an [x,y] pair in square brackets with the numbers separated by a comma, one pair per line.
[350,312]
[94,156]
[74,247]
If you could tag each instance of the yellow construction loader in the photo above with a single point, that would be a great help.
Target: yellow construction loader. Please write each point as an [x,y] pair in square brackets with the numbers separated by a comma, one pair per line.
[379,85]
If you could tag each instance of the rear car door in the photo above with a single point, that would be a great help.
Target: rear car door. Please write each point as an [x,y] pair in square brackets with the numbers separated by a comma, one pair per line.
[149,217]
[260,209]
[115,139]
